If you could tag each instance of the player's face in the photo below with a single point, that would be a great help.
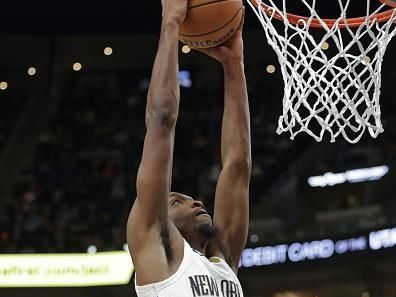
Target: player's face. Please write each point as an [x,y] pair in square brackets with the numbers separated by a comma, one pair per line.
[186,213]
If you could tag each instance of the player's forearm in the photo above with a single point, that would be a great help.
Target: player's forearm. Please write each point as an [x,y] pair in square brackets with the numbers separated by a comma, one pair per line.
[235,141]
[164,94]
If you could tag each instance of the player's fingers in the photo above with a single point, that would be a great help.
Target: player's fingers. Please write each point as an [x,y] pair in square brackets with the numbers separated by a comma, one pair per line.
[206,51]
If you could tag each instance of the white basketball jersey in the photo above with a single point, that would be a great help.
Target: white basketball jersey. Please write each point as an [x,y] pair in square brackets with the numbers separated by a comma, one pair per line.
[197,276]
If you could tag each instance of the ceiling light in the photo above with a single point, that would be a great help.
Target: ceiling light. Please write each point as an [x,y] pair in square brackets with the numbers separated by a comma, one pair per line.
[32,71]
[325,45]
[77,66]
[108,51]
[3,85]
[271,69]
[186,49]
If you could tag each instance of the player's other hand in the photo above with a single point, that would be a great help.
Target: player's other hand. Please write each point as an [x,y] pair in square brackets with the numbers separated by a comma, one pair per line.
[231,50]
[174,11]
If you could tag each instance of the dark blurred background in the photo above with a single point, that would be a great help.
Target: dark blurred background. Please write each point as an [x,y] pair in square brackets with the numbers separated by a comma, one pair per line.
[71,141]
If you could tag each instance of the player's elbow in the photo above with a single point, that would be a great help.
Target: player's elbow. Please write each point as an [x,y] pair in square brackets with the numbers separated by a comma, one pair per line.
[162,116]
[244,165]
[241,166]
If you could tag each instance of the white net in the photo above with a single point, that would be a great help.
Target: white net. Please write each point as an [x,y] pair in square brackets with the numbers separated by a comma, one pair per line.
[332,75]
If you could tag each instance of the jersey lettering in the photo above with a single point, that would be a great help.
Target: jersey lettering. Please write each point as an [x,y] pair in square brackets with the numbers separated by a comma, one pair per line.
[229,288]
[203,285]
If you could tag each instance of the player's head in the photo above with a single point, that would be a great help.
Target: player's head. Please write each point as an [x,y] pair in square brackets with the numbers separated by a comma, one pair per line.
[190,216]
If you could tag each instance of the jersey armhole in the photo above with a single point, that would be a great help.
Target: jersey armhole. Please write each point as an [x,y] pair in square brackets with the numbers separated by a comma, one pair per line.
[215,259]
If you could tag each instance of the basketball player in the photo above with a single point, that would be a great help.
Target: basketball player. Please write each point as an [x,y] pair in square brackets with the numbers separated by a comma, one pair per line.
[176,248]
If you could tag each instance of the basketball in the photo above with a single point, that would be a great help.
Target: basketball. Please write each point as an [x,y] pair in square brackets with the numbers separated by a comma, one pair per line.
[210,22]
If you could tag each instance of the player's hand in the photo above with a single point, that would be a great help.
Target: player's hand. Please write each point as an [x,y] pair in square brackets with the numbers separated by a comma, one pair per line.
[231,50]
[174,11]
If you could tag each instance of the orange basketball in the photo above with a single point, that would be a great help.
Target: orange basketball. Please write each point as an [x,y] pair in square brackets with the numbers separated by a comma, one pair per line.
[210,22]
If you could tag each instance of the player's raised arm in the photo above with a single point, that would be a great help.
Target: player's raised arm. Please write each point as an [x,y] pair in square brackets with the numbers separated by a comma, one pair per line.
[149,214]
[231,212]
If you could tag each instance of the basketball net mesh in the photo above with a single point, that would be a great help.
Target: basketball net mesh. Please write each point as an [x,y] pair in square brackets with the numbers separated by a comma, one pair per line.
[329,91]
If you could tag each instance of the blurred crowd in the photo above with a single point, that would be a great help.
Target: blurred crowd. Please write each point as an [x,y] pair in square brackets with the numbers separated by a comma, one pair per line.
[11,107]
[81,184]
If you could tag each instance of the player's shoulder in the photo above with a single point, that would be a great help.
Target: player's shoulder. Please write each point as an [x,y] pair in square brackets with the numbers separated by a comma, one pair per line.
[161,247]
[163,235]
[218,255]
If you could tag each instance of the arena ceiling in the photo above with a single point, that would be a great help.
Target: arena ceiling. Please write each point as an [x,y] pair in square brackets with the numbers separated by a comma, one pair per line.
[102,17]
[73,17]
[82,17]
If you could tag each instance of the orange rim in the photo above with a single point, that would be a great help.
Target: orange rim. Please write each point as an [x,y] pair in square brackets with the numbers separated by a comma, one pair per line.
[350,22]
[391,3]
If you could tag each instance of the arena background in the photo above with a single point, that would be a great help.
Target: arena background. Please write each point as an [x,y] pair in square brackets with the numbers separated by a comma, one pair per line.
[70,144]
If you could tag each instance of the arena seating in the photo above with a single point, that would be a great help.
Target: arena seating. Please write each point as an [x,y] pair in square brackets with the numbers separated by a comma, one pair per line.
[11,108]
[79,189]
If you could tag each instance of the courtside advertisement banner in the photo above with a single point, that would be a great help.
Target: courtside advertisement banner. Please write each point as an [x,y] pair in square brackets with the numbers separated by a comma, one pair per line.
[65,270]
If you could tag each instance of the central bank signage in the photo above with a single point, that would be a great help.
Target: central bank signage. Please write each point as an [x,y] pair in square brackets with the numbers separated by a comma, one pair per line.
[318,249]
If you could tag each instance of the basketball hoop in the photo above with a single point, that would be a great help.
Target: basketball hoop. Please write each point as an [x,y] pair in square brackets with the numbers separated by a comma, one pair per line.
[337,91]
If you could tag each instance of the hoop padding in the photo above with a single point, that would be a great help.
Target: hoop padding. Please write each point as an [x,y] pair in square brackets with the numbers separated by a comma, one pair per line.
[337,89]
